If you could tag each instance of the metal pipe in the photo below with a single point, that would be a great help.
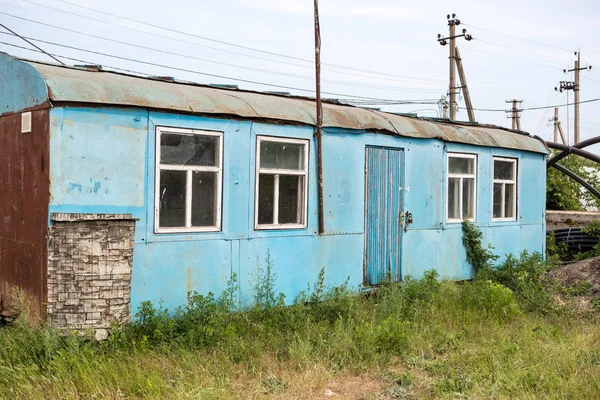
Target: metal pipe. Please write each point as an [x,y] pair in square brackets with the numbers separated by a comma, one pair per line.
[576,149]
[319,135]
[578,179]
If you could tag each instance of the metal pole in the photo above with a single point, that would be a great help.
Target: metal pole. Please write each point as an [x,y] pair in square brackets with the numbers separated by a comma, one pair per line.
[463,84]
[452,87]
[319,118]
[576,90]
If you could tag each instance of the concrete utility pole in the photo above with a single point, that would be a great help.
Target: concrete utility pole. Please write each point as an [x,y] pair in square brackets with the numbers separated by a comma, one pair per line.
[575,87]
[557,128]
[514,113]
[465,87]
[453,22]
[576,90]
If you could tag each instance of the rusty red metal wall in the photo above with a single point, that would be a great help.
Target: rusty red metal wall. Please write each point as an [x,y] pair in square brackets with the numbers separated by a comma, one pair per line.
[24,198]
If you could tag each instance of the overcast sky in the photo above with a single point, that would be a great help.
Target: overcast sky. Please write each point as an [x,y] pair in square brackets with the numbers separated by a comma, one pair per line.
[388,48]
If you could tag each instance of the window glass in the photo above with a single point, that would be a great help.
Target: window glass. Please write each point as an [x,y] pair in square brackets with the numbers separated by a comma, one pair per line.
[204,193]
[188,180]
[277,155]
[459,165]
[172,198]
[497,200]
[461,186]
[177,149]
[266,205]
[453,198]
[282,183]
[510,199]
[505,189]
[468,210]
[290,199]
[503,169]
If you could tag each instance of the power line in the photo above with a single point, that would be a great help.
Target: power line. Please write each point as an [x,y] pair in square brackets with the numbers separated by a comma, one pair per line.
[514,37]
[406,80]
[25,40]
[208,39]
[538,108]
[387,101]
[521,50]
[397,89]
[510,58]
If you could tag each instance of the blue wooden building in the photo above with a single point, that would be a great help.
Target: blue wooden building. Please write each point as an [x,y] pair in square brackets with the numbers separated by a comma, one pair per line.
[157,188]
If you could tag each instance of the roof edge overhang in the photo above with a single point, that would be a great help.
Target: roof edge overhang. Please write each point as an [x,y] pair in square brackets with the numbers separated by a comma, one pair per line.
[22,86]
[97,88]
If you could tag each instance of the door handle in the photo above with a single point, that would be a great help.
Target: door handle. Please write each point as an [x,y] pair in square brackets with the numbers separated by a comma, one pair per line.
[408,220]
[401,218]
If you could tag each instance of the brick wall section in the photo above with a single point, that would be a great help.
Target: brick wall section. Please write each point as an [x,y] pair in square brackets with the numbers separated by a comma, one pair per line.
[89,271]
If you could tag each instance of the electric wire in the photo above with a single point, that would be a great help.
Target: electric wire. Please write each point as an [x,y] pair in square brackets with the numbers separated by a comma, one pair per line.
[210,39]
[512,37]
[510,58]
[517,49]
[538,108]
[386,101]
[405,80]
[344,83]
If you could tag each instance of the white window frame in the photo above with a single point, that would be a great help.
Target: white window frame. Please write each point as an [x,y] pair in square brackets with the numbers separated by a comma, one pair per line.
[190,170]
[461,176]
[276,173]
[514,181]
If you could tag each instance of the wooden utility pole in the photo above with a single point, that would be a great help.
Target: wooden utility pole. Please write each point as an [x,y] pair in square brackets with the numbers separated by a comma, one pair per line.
[463,84]
[319,118]
[453,22]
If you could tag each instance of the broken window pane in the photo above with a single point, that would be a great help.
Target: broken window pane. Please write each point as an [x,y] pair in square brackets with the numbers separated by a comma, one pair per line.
[266,190]
[197,150]
[468,210]
[504,169]
[453,198]
[277,155]
[204,198]
[172,198]
[290,199]
[460,165]
[497,212]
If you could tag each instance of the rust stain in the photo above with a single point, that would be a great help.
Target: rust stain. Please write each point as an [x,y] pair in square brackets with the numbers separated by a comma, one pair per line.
[25,189]
[73,85]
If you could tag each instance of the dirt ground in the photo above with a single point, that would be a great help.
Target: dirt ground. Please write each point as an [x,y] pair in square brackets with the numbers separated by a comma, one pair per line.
[584,275]
[578,272]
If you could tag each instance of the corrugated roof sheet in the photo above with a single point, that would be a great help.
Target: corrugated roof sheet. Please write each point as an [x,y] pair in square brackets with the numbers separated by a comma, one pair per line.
[68,84]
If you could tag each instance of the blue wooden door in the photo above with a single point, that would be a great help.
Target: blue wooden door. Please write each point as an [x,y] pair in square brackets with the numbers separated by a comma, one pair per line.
[384,174]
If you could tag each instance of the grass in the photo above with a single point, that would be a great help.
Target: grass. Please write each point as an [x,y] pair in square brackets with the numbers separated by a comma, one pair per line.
[420,339]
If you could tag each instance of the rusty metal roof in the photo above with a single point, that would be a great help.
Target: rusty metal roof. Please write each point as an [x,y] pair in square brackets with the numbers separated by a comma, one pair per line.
[94,86]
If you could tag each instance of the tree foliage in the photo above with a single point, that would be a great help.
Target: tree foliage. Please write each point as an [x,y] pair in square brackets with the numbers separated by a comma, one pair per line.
[563,193]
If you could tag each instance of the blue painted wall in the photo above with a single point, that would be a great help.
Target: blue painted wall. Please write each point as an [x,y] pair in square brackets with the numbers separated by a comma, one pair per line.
[25,84]
[102,161]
